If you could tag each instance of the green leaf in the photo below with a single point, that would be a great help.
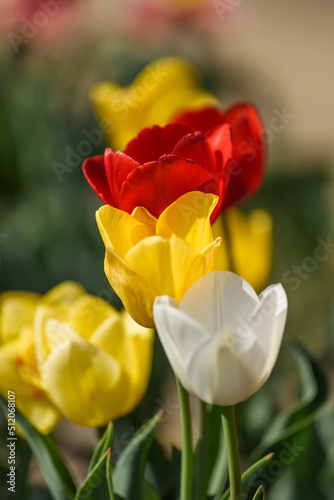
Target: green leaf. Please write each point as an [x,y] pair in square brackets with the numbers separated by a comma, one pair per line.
[104,444]
[250,474]
[95,486]
[260,494]
[129,471]
[217,453]
[57,475]
[313,396]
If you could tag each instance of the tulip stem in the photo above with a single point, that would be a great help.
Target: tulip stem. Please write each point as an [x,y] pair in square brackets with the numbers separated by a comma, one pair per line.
[231,437]
[201,452]
[229,246]
[187,449]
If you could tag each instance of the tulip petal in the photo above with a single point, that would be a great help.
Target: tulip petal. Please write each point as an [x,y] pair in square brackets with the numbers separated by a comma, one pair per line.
[95,173]
[168,105]
[249,152]
[141,214]
[189,218]
[109,336]
[84,382]
[63,294]
[252,231]
[30,400]
[87,313]
[118,166]
[17,309]
[137,360]
[219,300]
[268,321]
[151,258]
[132,289]
[225,369]
[203,120]
[119,230]
[152,143]
[178,333]
[170,176]
[194,147]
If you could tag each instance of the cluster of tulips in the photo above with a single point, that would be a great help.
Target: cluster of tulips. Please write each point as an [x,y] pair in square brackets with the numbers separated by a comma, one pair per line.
[179,255]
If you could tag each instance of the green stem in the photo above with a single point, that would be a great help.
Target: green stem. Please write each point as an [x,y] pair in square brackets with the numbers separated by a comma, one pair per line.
[231,438]
[228,241]
[187,449]
[201,452]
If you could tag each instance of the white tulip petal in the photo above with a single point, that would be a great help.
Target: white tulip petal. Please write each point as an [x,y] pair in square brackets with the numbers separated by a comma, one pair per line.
[226,368]
[219,300]
[273,311]
[179,334]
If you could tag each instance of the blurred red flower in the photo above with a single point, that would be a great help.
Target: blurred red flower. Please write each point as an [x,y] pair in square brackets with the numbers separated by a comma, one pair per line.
[160,165]
[249,146]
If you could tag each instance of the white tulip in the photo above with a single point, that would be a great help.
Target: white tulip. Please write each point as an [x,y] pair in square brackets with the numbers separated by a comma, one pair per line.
[222,340]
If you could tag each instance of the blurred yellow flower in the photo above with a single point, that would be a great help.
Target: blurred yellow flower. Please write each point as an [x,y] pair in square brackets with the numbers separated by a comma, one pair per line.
[251,240]
[163,88]
[147,257]
[71,354]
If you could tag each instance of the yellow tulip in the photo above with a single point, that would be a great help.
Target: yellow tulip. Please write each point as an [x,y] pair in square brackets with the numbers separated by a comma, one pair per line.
[75,356]
[163,88]
[147,257]
[251,241]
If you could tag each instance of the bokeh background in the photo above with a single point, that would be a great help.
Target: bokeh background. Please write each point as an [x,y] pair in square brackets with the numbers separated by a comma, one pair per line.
[278,55]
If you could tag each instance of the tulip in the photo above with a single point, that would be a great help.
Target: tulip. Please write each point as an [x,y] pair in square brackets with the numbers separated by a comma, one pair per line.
[252,232]
[161,90]
[159,166]
[221,339]
[147,257]
[248,144]
[76,357]
[18,361]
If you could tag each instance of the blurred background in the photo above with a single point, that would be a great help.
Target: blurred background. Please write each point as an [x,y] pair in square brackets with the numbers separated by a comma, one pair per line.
[278,55]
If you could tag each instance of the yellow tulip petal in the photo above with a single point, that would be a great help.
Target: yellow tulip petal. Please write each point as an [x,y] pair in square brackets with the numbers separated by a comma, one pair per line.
[189,218]
[132,289]
[30,400]
[169,105]
[141,214]
[43,346]
[109,336]
[252,232]
[87,385]
[87,313]
[17,310]
[119,230]
[152,260]
[138,354]
[63,294]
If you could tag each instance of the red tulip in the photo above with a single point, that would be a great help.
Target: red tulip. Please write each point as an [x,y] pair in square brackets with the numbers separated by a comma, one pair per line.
[160,165]
[249,147]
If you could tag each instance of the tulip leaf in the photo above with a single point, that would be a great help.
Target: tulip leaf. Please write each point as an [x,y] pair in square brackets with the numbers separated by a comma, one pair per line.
[103,445]
[251,474]
[95,486]
[260,494]
[57,475]
[129,471]
[217,454]
[313,396]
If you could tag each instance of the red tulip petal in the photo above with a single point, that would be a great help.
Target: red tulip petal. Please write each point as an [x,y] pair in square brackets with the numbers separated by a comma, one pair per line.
[118,166]
[194,147]
[157,184]
[249,152]
[203,120]
[95,173]
[152,143]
